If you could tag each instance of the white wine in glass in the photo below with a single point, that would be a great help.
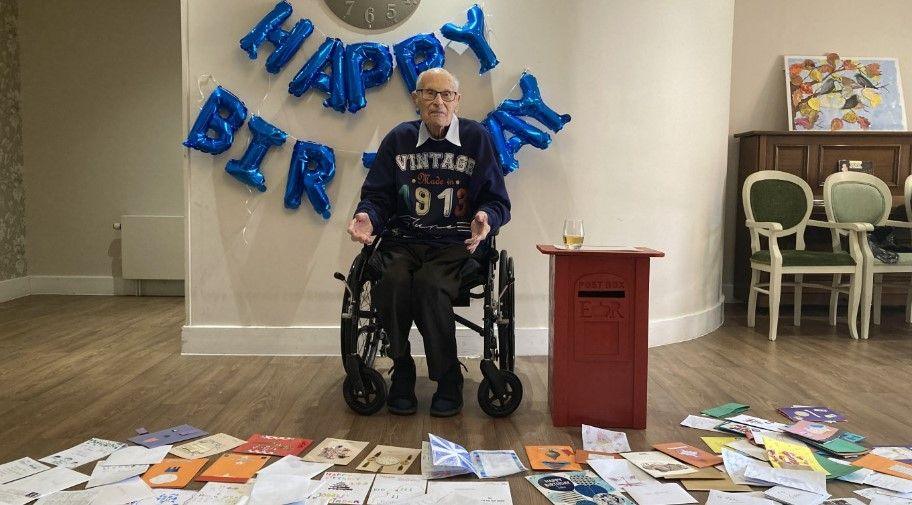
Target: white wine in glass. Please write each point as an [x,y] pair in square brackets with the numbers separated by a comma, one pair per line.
[573,233]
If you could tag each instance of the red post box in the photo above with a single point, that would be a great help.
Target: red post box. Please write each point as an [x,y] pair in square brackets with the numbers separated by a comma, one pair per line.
[598,335]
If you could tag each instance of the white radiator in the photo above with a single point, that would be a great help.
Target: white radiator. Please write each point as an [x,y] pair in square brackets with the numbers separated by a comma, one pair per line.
[152,247]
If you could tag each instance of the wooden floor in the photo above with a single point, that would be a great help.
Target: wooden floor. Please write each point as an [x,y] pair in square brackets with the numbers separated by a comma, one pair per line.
[72,368]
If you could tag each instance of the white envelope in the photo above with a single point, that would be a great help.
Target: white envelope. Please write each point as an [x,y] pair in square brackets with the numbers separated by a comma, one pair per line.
[493,493]
[82,497]
[86,452]
[620,473]
[44,483]
[277,489]
[293,465]
[805,480]
[889,482]
[736,465]
[792,496]
[128,491]
[391,488]
[723,498]
[172,496]
[20,468]
[758,422]
[660,494]
[137,455]
[702,423]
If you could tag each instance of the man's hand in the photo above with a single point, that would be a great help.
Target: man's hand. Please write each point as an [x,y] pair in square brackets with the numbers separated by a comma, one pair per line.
[361,229]
[480,230]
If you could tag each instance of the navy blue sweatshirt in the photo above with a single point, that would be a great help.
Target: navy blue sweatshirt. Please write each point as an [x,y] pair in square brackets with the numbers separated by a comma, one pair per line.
[430,193]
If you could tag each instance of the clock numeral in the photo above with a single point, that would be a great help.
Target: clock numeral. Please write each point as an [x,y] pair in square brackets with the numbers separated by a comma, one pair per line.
[350,4]
[369,15]
[391,11]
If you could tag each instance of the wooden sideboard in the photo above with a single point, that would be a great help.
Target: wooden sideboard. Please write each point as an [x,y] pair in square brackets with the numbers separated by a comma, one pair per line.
[813,156]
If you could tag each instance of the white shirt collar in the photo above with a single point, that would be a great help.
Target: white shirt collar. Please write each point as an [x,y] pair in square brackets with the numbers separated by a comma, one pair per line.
[452,134]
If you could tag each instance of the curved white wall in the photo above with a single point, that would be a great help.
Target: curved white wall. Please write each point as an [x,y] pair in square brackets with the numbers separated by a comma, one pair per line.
[642,162]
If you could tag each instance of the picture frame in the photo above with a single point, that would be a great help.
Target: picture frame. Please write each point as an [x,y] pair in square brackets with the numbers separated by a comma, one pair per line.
[832,93]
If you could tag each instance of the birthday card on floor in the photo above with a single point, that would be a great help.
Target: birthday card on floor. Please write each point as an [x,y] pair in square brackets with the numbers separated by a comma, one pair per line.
[205,447]
[336,451]
[484,464]
[343,488]
[576,487]
[552,457]
[174,473]
[231,467]
[274,446]
[389,459]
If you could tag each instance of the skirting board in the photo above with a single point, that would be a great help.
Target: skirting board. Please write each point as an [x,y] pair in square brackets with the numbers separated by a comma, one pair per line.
[324,340]
[10,289]
[86,285]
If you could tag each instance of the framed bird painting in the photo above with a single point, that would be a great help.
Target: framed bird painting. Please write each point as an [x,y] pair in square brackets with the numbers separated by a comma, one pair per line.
[833,93]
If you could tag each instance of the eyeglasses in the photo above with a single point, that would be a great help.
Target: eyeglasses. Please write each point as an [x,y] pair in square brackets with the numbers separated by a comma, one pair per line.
[430,94]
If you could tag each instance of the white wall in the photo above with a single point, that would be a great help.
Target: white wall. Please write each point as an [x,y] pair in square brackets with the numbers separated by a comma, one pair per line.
[101,119]
[643,162]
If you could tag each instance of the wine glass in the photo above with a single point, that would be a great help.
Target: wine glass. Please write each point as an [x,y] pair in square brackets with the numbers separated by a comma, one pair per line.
[573,233]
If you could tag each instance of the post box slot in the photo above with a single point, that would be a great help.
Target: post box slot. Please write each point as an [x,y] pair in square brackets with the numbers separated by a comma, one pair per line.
[600,294]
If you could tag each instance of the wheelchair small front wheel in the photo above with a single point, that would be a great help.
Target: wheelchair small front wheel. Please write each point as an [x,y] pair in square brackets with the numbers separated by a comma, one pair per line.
[371,399]
[501,407]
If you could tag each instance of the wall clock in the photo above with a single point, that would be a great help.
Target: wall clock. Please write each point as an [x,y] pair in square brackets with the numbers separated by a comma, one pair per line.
[373,14]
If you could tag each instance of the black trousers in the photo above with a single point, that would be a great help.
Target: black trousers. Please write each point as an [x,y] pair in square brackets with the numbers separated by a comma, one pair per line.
[419,283]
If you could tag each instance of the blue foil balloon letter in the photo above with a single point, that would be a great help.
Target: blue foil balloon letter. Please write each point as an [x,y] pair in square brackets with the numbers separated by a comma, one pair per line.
[505,157]
[210,119]
[286,43]
[368,158]
[473,35]
[312,75]
[424,46]
[497,123]
[357,79]
[531,105]
[304,179]
[247,169]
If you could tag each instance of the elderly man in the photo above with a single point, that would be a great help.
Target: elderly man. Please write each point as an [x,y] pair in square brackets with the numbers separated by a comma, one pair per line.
[434,192]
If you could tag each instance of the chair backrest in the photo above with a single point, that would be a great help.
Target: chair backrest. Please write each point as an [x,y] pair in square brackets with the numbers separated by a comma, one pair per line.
[778,197]
[855,197]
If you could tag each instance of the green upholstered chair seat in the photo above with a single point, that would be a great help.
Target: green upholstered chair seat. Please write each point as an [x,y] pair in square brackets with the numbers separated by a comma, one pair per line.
[905,259]
[791,258]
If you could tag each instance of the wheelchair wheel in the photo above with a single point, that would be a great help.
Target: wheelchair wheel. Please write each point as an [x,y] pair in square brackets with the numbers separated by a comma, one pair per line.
[500,407]
[372,398]
[360,331]
[506,332]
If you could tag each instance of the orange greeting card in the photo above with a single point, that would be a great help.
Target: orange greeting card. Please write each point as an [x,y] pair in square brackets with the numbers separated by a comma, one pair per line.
[174,473]
[884,465]
[689,454]
[552,457]
[231,467]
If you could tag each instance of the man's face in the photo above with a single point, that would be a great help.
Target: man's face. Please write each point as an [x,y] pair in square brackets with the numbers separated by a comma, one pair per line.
[436,112]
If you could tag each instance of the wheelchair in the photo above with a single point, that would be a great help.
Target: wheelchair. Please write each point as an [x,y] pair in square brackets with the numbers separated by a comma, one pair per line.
[363,339]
